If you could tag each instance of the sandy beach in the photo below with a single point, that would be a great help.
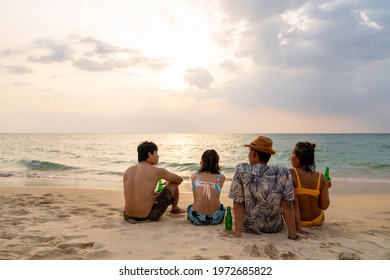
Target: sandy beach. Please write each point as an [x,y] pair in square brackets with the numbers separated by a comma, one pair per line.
[39,221]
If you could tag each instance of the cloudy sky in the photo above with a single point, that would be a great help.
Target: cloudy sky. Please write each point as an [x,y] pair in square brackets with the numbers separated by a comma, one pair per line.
[257,66]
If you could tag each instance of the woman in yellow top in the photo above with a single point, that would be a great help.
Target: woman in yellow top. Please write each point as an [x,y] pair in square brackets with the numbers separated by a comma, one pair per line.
[310,186]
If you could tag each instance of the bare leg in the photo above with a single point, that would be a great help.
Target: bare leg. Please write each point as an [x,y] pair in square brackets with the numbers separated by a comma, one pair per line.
[175,209]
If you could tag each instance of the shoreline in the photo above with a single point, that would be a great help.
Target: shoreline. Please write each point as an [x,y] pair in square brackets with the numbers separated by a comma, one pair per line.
[337,187]
[56,223]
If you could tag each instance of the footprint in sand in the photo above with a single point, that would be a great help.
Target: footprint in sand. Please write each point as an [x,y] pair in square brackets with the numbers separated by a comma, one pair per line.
[329,245]
[20,212]
[102,205]
[36,239]
[111,224]
[45,202]
[56,254]
[375,232]
[271,250]
[8,235]
[254,251]
[71,237]
[264,250]
[114,211]
[198,257]
[81,211]
[99,254]
[288,256]
[348,256]
[63,215]
[76,245]
[226,257]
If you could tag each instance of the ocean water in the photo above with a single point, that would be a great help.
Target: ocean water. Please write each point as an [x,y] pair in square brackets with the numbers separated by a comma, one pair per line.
[104,157]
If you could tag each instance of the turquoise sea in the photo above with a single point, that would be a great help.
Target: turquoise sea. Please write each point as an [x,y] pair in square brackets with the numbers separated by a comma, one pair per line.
[103,157]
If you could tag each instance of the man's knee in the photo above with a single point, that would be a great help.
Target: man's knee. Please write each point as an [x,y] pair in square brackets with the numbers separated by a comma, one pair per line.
[172,187]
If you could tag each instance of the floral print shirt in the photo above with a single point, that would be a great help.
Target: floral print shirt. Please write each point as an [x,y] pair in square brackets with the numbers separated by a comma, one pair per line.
[262,189]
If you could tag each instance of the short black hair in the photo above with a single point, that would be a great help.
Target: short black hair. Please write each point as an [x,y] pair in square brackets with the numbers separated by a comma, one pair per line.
[144,149]
[264,157]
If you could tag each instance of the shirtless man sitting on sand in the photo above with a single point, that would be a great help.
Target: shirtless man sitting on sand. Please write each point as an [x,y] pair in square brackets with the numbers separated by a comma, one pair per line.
[142,203]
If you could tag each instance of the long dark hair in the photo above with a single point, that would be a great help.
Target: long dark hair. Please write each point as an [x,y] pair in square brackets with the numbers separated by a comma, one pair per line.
[210,162]
[305,154]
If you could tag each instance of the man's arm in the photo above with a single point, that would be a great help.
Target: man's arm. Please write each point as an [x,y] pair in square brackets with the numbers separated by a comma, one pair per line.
[289,217]
[170,177]
[238,210]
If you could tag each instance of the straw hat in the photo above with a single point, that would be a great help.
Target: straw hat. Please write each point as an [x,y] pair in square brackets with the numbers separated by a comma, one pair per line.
[262,144]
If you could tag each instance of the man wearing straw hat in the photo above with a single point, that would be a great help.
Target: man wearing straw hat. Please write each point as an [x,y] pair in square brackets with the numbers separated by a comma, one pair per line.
[262,195]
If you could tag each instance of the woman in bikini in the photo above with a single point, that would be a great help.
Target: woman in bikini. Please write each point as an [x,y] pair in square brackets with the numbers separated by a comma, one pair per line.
[207,185]
[311,188]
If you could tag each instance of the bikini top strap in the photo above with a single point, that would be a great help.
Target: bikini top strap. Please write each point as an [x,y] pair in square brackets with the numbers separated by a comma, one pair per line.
[299,181]
[319,181]
[196,180]
[219,177]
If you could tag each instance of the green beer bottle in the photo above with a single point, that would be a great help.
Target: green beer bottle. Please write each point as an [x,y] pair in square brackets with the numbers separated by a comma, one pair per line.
[327,173]
[160,186]
[228,219]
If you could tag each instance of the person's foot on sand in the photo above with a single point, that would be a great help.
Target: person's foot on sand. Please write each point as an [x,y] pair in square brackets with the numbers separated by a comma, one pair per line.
[177,210]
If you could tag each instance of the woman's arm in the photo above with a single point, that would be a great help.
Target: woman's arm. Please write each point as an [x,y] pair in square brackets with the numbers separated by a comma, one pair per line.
[324,200]
[221,180]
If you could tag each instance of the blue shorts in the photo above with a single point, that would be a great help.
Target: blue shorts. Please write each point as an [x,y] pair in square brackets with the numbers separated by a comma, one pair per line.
[201,219]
